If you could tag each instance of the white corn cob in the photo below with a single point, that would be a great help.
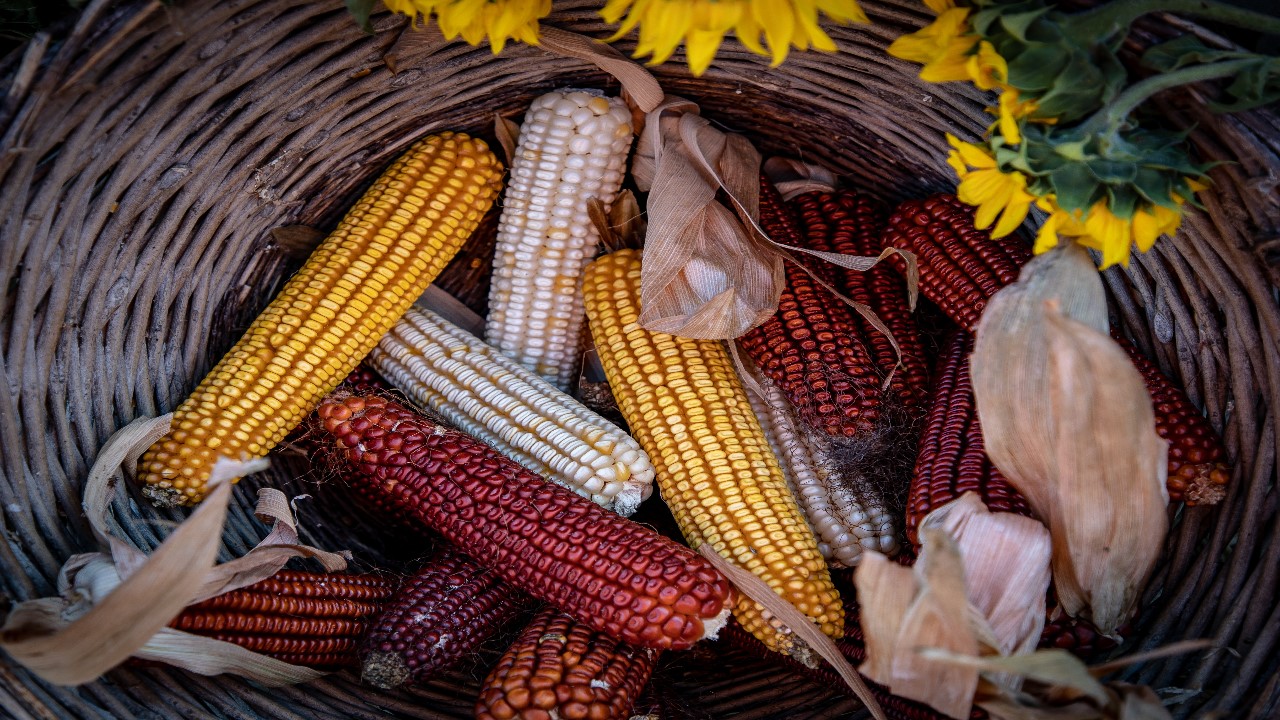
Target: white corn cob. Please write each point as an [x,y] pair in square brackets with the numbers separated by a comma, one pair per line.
[488,395]
[573,146]
[842,523]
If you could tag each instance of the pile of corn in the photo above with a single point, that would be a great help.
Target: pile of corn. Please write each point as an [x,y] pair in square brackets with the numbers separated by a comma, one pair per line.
[851,444]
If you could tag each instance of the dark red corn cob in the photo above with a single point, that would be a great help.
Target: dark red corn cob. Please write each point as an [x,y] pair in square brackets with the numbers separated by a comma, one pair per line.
[560,668]
[442,613]
[1197,473]
[961,267]
[618,576]
[952,459]
[845,222]
[221,622]
[278,645]
[811,347]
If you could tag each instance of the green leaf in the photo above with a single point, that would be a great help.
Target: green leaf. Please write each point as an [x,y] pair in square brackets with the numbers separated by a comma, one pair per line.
[1122,201]
[1072,150]
[361,10]
[1183,51]
[1018,24]
[1038,67]
[1075,186]
[1112,171]
[1257,85]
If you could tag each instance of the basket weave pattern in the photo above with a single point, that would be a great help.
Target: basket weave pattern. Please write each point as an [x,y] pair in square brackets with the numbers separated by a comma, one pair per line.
[146,152]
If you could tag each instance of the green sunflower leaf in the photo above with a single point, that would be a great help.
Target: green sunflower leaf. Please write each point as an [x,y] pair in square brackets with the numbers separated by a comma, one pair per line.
[361,10]
[1074,185]
[1183,51]
[1257,85]
[1038,67]
[1018,24]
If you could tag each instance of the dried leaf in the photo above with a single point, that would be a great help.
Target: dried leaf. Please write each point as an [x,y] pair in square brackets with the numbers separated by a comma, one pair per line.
[885,590]
[506,131]
[1054,667]
[794,177]
[1006,567]
[1066,418]
[440,302]
[640,85]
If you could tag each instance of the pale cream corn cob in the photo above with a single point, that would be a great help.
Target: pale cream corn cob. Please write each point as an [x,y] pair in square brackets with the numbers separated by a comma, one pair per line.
[573,147]
[490,396]
[843,523]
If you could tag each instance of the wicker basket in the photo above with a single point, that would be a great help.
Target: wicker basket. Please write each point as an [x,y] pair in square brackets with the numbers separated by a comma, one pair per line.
[147,151]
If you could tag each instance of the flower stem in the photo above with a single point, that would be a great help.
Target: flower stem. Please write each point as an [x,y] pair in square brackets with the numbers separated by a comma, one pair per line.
[1112,115]
[1116,16]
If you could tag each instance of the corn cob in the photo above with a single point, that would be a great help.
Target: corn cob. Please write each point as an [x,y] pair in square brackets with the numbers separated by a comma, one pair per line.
[573,147]
[844,522]
[853,224]
[962,267]
[689,410]
[444,612]
[303,618]
[489,396]
[952,459]
[1196,473]
[611,573]
[560,668]
[811,347]
[329,315]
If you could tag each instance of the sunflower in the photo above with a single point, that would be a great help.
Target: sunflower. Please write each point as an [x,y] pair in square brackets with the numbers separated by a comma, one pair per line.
[993,191]
[702,25]
[474,20]
[944,47]
[1106,232]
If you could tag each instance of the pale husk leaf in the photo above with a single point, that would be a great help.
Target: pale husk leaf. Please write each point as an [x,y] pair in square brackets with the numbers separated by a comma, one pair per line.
[796,177]
[641,86]
[885,590]
[1006,566]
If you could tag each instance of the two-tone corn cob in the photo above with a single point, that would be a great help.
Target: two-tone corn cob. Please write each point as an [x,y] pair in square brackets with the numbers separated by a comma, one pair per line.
[811,346]
[304,618]
[560,668]
[853,224]
[329,315]
[845,522]
[605,570]
[961,267]
[442,613]
[573,147]
[686,405]
[952,459]
[490,396]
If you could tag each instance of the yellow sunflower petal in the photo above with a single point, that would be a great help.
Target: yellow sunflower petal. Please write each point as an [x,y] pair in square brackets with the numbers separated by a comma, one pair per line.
[973,155]
[779,27]
[1047,236]
[1112,234]
[1009,129]
[1014,213]
[940,6]
[986,68]
[701,49]
[1145,230]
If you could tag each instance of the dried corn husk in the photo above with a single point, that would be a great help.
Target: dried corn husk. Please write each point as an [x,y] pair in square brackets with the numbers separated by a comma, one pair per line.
[1066,418]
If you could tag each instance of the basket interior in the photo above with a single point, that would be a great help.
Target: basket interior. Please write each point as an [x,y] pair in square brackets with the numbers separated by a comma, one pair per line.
[157,147]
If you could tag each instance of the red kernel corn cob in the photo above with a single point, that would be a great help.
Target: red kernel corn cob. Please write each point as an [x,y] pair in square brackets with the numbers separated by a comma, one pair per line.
[617,576]
[442,613]
[304,618]
[962,267]
[952,459]
[853,224]
[811,346]
[560,668]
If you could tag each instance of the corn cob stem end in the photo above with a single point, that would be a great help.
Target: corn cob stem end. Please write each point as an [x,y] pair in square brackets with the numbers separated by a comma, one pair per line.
[165,497]
[384,670]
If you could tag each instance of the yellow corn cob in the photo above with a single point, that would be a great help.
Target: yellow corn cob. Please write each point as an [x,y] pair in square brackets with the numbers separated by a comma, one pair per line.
[351,290]
[490,396]
[690,412]
[573,146]
[844,523]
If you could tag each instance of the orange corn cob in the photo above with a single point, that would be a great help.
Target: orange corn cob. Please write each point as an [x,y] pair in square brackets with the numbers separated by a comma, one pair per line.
[853,224]
[961,267]
[444,612]
[607,571]
[329,315]
[560,668]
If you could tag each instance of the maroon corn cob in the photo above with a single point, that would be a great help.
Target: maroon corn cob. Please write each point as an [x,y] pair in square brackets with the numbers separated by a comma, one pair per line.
[560,668]
[952,459]
[443,613]
[961,267]
[845,222]
[1197,473]
[611,573]
[303,618]
[812,346]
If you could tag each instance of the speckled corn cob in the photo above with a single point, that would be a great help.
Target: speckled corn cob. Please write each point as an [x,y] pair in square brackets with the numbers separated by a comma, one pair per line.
[611,573]
[573,147]
[329,315]
[686,405]
[952,459]
[811,347]
[490,396]
[853,224]
[560,668]
[441,614]
[304,618]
